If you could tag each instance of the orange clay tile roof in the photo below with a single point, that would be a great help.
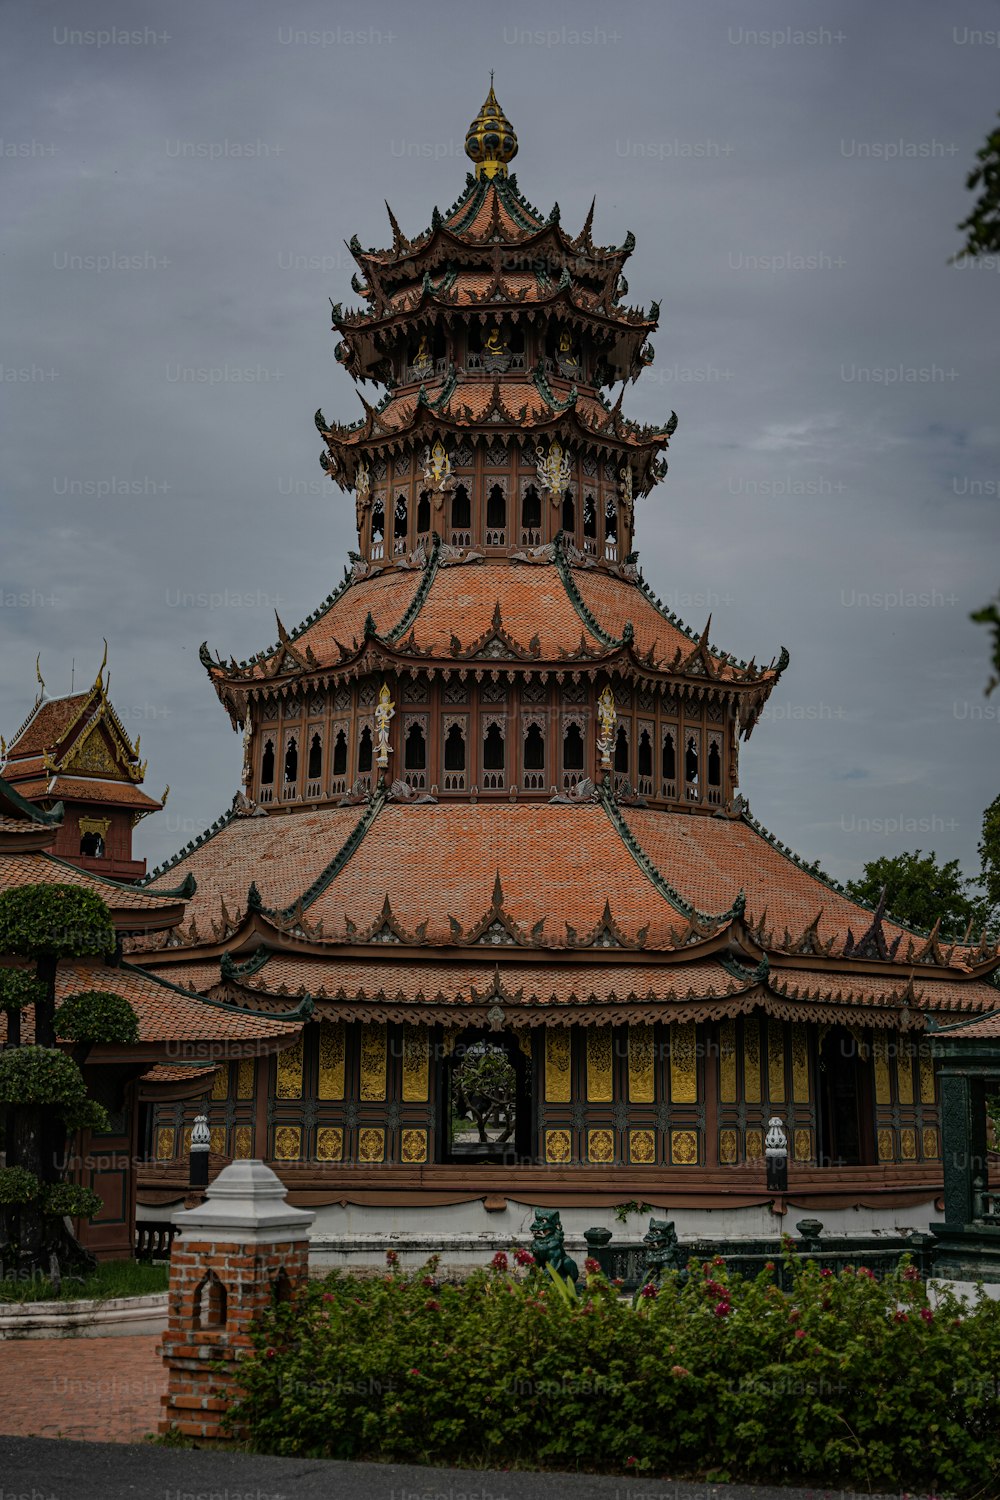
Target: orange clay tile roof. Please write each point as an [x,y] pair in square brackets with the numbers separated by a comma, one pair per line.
[986,1029]
[493,203]
[166,1073]
[17,825]
[471,287]
[707,858]
[37,867]
[74,789]
[532,599]
[925,993]
[48,724]
[385,596]
[616,602]
[283,854]
[31,765]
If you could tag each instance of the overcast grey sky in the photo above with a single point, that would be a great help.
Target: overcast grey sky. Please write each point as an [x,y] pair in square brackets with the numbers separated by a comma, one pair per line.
[179,180]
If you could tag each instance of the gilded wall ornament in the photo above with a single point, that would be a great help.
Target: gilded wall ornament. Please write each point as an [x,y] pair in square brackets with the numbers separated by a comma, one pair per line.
[385,710]
[628,498]
[437,470]
[554,471]
[608,716]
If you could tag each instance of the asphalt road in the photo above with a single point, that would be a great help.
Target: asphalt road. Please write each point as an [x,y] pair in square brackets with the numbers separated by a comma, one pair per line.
[55,1469]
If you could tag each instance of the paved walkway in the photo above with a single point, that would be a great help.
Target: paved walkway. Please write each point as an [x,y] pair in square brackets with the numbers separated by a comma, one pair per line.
[102,1389]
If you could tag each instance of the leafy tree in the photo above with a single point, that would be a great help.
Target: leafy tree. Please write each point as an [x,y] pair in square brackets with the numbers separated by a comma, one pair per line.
[982,227]
[919,891]
[42,1090]
[990,615]
[989,855]
[487,1084]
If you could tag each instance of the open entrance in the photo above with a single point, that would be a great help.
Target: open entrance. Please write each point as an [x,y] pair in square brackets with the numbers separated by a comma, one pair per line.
[485,1105]
[845,1103]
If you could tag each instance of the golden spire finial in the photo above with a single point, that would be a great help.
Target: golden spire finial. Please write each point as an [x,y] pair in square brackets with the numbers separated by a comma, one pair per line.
[38,675]
[490,140]
[99,679]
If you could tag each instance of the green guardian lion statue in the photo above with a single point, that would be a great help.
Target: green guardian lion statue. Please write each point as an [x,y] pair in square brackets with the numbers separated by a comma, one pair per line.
[547,1236]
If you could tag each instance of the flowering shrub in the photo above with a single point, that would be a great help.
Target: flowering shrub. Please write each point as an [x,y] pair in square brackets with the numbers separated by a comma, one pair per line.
[846,1381]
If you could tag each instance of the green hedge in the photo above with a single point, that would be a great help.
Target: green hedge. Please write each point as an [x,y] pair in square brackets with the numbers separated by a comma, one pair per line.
[844,1381]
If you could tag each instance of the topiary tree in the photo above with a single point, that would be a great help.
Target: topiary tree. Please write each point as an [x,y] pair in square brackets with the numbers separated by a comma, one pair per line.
[43,1093]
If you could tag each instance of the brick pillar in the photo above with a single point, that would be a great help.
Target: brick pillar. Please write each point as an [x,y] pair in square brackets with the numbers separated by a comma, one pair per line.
[236,1252]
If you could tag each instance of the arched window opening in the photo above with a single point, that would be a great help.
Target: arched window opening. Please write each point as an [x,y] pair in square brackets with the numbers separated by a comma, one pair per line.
[531,517]
[454,759]
[340,754]
[691,768]
[644,763]
[291,761]
[415,755]
[281,1287]
[569,515]
[611,528]
[423,514]
[493,758]
[572,748]
[714,765]
[267,763]
[315,757]
[365,750]
[621,751]
[92,846]
[400,526]
[496,517]
[669,766]
[378,529]
[461,517]
[210,1303]
[589,524]
[534,759]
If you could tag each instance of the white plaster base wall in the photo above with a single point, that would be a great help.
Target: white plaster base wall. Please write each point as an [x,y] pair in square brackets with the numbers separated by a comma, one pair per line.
[967,1291]
[84,1320]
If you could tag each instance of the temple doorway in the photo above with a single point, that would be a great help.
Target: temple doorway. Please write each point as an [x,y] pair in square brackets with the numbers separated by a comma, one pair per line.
[845,1105]
[485,1107]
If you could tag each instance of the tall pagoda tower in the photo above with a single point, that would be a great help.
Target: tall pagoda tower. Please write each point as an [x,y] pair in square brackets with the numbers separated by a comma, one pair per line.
[490,803]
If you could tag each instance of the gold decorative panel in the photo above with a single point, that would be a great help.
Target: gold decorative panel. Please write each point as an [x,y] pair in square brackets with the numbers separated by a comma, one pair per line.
[904,1072]
[558,1073]
[886,1151]
[288,1084]
[908,1143]
[186,1141]
[600,1145]
[880,1053]
[329,1143]
[727,1147]
[93,755]
[800,1063]
[373,1046]
[641,1083]
[751,1060]
[416,1064]
[524,1041]
[243,1142]
[802,1145]
[165,1138]
[755,1144]
[683,1148]
[600,1064]
[246,1076]
[413,1145]
[220,1083]
[287,1143]
[331,1060]
[642,1147]
[217,1140]
[727,1062]
[683,1064]
[371,1144]
[776,1061]
[930,1143]
[927,1080]
[558,1147]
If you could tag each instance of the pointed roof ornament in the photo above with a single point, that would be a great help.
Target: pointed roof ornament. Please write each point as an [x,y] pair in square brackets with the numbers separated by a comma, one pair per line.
[490,141]
[99,679]
[38,675]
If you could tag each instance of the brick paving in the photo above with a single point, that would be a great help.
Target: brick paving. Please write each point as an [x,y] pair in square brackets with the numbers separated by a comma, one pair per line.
[97,1389]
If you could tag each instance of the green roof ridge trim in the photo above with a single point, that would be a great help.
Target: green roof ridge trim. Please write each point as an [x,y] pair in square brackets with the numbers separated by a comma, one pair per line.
[651,872]
[226,1005]
[197,843]
[51,819]
[577,601]
[758,975]
[232,969]
[337,863]
[471,201]
[416,604]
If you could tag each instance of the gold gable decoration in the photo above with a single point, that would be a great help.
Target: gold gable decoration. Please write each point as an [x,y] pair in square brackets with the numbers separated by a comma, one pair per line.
[93,757]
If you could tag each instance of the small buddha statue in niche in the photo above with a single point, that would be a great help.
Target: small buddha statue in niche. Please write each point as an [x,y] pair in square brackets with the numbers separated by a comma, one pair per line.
[494,342]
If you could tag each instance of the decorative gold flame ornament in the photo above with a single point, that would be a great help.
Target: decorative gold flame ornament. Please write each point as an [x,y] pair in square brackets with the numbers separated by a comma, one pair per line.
[384,712]
[437,468]
[608,714]
[628,498]
[553,470]
[490,141]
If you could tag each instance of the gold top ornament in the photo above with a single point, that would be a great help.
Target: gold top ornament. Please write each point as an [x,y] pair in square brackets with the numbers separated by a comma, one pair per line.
[490,141]
[608,714]
[384,711]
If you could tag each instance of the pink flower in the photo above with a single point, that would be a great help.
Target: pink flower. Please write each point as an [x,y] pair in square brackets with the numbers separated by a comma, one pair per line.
[631,1461]
[329,1297]
[414,1371]
[679,1371]
[911,1274]
[769,1265]
[717,1260]
[794,1315]
[900,1317]
[592,1266]
[800,1333]
[826,1274]
[864,1271]
[721,1309]
[927,1315]
[618,1281]
[392,1257]
[431,1305]
[499,1261]
[649,1290]
[715,1289]
[428,1281]
[523,1258]
[270,1353]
